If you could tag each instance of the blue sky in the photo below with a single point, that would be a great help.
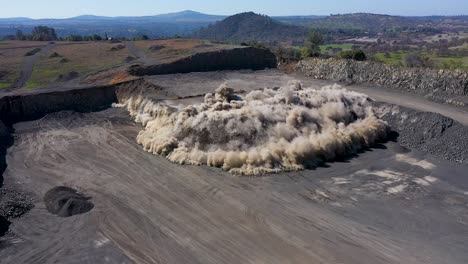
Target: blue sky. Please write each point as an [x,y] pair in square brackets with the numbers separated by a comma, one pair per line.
[66,8]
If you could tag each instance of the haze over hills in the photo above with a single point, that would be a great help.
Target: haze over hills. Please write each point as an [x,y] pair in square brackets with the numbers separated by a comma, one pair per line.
[190,22]
[180,23]
[373,23]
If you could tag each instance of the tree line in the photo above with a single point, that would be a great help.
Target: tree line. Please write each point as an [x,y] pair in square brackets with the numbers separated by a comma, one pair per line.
[43,33]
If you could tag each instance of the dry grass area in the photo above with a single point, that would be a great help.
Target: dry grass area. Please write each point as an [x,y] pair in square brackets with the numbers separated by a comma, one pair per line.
[112,76]
[11,44]
[176,44]
[172,49]
[82,57]
[10,64]
[95,59]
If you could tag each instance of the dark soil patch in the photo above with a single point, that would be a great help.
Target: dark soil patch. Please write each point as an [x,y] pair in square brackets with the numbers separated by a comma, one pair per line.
[156,48]
[129,59]
[68,76]
[64,60]
[3,74]
[32,52]
[4,225]
[203,45]
[118,47]
[65,202]
[55,55]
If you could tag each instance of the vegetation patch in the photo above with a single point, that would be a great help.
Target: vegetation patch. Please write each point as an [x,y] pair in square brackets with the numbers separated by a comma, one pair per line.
[76,58]
[31,84]
[4,84]
[342,46]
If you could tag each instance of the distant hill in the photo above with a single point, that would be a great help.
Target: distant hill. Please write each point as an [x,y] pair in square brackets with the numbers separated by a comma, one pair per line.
[250,26]
[180,23]
[373,23]
[241,27]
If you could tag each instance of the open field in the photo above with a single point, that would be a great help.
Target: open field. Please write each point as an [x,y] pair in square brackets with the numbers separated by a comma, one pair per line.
[171,49]
[81,57]
[66,61]
[438,37]
[11,44]
[343,46]
[11,59]
[396,58]
[461,47]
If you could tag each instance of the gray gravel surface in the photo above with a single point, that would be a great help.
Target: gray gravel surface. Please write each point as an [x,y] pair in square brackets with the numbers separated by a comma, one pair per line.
[429,132]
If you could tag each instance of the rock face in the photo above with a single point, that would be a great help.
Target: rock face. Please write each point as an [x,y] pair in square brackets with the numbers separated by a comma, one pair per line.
[5,142]
[428,82]
[227,59]
[29,107]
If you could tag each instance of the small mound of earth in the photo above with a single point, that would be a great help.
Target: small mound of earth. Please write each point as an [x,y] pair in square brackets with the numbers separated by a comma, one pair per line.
[397,148]
[130,59]
[204,45]
[65,202]
[32,52]
[55,55]
[118,47]
[156,48]
[67,77]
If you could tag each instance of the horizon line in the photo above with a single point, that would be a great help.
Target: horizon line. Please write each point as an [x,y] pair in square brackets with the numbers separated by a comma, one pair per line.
[127,16]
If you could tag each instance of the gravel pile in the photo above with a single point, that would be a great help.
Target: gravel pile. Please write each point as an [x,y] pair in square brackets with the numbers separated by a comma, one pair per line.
[430,132]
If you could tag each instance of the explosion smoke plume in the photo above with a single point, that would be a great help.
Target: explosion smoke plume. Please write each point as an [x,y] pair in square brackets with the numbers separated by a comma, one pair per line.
[265,131]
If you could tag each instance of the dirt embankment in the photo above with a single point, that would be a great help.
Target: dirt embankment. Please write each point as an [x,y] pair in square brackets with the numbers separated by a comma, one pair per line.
[438,85]
[226,59]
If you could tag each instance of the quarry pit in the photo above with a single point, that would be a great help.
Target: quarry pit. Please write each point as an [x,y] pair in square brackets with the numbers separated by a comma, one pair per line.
[79,163]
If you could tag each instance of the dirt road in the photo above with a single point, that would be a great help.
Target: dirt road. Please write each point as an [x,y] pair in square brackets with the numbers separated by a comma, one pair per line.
[136,51]
[27,66]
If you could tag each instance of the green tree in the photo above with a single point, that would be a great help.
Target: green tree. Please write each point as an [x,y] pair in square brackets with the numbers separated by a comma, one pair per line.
[19,35]
[357,55]
[43,33]
[312,44]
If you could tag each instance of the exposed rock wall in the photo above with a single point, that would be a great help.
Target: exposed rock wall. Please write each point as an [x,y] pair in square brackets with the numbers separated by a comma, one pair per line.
[427,82]
[5,142]
[226,59]
[28,107]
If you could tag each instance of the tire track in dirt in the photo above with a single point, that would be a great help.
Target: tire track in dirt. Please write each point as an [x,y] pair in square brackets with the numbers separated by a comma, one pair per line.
[27,66]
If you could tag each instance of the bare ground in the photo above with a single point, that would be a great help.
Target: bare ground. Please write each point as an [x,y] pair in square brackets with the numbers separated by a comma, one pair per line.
[386,205]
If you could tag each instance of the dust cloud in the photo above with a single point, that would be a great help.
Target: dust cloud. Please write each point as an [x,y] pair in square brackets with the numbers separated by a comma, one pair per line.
[265,131]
